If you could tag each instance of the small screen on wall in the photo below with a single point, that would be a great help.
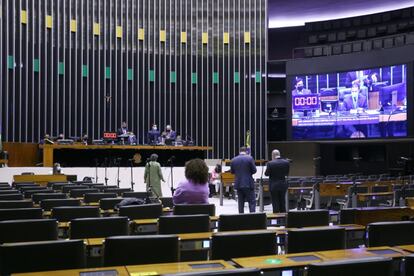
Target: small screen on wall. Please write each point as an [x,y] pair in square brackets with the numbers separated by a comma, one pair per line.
[368,103]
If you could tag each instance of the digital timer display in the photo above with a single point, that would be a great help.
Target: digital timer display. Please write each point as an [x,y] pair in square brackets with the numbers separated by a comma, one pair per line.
[305,102]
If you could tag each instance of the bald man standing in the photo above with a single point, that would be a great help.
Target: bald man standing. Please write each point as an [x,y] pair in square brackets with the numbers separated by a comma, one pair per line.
[277,170]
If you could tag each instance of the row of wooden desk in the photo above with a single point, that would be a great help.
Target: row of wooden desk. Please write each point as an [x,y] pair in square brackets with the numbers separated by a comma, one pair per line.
[266,263]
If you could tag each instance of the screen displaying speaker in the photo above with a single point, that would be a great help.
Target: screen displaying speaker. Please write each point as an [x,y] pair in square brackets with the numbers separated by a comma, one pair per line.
[366,103]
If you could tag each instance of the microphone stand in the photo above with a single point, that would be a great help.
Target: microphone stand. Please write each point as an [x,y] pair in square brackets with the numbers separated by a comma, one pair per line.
[172,158]
[106,171]
[96,170]
[132,174]
[117,178]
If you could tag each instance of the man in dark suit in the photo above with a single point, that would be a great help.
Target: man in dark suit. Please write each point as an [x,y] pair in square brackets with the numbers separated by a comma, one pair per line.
[277,170]
[243,167]
[354,100]
[130,139]
[300,89]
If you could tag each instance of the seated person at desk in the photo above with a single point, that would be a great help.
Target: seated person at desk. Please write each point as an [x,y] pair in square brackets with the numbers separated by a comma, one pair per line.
[123,133]
[193,190]
[168,134]
[300,89]
[153,135]
[355,102]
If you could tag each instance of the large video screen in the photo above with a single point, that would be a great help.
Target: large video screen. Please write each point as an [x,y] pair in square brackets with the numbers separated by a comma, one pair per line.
[369,103]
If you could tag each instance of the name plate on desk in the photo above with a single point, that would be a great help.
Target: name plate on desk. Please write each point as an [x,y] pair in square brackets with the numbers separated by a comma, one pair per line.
[305,102]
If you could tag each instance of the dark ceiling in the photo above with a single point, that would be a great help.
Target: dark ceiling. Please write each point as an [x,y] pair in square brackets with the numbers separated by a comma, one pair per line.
[284,13]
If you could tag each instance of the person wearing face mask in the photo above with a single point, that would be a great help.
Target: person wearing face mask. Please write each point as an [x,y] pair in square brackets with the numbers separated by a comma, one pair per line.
[300,89]
[355,100]
[153,135]
[169,133]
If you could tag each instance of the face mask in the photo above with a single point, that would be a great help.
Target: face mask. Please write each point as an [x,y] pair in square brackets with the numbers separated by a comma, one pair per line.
[154,128]
[300,88]
[354,94]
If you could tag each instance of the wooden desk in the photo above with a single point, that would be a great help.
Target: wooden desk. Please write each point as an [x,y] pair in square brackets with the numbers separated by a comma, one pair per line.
[364,216]
[293,190]
[122,271]
[334,189]
[165,268]
[355,253]
[408,248]
[278,262]
[41,179]
[368,196]
[48,150]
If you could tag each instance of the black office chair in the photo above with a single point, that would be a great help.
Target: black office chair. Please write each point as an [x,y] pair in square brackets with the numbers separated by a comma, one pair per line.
[183,224]
[83,228]
[59,186]
[134,250]
[238,271]
[9,191]
[11,204]
[32,188]
[41,256]
[52,183]
[30,193]
[109,203]
[20,213]
[195,209]
[65,213]
[390,233]
[234,245]
[96,197]
[315,239]
[49,204]
[67,188]
[118,191]
[167,202]
[28,230]
[37,197]
[27,173]
[356,267]
[75,193]
[408,265]
[307,218]
[25,184]
[13,196]
[145,211]
[142,195]
[253,221]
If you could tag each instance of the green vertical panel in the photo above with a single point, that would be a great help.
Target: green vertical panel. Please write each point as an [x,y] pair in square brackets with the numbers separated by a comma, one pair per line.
[173,77]
[61,68]
[36,65]
[10,62]
[151,75]
[236,77]
[85,71]
[130,74]
[258,77]
[215,77]
[107,72]
[193,78]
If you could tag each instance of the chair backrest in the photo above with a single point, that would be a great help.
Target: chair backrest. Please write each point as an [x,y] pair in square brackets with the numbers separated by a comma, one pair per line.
[28,230]
[25,184]
[30,193]
[409,264]
[41,256]
[195,209]
[379,189]
[42,196]
[49,204]
[307,218]
[52,183]
[20,213]
[68,213]
[14,196]
[357,267]
[109,203]
[134,250]
[390,233]
[59,186]
[142,195]
[118,191]
[183,224]
[167,202]
[145,211]
[67,188]
[83,228]
[236,222]
[32,188]
[315,239]
[4,184]
[237,271]
[27,173]
[96,197]
[81,192]
[9,191]
[243,244]
[10,204]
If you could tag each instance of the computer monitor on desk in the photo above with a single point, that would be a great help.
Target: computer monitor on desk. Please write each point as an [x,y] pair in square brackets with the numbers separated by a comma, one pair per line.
[393,95]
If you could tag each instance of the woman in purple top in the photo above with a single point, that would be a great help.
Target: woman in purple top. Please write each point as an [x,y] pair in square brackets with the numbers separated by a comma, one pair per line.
[194,190]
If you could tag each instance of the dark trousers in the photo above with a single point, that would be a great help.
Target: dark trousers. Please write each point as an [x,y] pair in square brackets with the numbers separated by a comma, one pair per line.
[246,194]
[278,201]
